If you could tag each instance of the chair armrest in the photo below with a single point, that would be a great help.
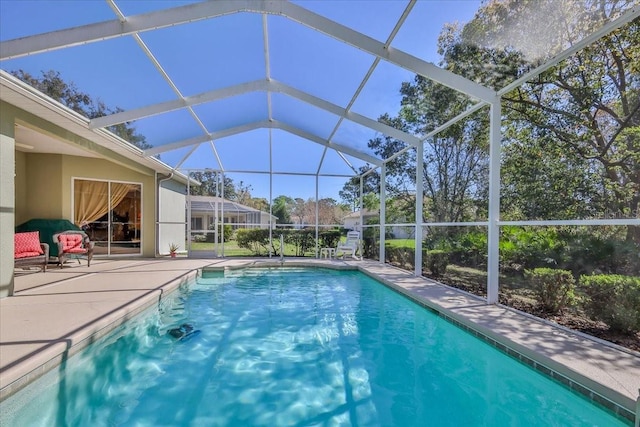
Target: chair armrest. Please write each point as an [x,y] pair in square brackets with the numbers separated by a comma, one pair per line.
[45,249]
[87,243]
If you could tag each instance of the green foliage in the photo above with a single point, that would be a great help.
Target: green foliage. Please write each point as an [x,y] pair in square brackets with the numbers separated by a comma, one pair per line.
[528,247]
[254,239]
[402,256]
[329,238]
[613,299]
[470,249]
[228,233]
[211,184]
[588,252]
[437,261]
[302,240]
[282,206]
[350,193]
[554,288]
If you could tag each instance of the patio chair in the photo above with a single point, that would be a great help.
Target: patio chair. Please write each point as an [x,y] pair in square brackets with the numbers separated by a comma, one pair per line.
[73,244]
[351,245]
[29,251]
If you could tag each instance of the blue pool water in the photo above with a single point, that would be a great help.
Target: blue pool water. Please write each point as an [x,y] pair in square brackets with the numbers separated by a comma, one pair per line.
[294,347]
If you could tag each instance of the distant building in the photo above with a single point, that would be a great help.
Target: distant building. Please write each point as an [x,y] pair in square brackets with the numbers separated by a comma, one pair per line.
[352,222]
[203,214]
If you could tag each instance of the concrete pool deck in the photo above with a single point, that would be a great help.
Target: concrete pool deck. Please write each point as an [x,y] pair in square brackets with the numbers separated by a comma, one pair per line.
[53,315]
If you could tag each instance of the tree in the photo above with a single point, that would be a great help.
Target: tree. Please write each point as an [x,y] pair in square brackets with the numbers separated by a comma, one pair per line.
[208,187]
[455,161]
[587,105]
[300,210]
[350,192]
[242,193]
[281,209]
[52,84]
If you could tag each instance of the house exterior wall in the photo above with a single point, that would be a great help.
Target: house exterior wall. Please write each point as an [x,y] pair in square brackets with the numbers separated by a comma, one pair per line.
[89,168]
[172,202]
[44,182]
[20,187]
[49,178]
[7,206]
[40,185]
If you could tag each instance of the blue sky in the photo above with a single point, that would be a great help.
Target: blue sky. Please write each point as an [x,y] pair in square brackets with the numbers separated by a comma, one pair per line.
[226,51]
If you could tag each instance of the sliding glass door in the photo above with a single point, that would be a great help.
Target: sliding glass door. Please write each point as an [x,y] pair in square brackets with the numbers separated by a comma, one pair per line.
[110,213]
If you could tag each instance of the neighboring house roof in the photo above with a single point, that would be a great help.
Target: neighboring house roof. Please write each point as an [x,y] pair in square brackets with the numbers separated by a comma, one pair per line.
[365,213]
[208,204]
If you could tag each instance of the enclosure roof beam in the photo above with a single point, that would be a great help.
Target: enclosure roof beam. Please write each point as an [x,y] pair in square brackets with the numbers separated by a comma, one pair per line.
[257,85]
[338,147]
[208,137]
[206,10]
[268,124]
[176,104]
[625,18]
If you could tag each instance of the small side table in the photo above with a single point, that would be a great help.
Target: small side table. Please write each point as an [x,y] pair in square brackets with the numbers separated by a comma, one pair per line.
[327,253]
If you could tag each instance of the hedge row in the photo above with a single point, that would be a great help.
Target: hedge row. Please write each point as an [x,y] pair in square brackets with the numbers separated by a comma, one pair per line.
[611,298]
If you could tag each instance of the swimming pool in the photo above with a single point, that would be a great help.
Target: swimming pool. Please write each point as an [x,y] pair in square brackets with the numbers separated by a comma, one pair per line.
[295,347]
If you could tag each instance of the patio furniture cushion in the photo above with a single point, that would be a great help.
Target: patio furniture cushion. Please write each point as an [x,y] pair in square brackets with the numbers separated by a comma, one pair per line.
[47,228]
[27,245]
[72,243]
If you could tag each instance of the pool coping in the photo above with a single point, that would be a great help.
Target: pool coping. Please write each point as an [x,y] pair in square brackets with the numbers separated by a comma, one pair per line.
[607,375]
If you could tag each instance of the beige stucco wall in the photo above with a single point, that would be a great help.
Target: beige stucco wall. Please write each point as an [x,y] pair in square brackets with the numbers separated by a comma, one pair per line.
[20,186]
[49,179]
[39,185]
[7,201]
[82,167]
[44,187]
[172,228]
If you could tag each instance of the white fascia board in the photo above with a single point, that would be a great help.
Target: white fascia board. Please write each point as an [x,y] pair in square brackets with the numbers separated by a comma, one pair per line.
[54,112]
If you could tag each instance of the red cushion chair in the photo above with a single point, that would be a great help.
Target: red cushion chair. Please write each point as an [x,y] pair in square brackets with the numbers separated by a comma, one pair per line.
[28,250]
[73,244]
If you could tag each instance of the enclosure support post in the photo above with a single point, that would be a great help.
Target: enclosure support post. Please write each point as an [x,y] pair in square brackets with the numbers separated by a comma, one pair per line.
[419,208]
[383,211]
[317,213]
[493,264]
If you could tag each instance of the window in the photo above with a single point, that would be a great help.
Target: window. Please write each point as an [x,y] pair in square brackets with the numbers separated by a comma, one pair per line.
[196,223]
[110,213]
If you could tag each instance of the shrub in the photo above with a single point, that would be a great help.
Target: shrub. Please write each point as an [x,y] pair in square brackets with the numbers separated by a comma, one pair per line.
[254,239]
[303,240]
[531,248]
[554,288]
[400,256]
[329,238]
[437,261]
[228,233]
[613,299]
